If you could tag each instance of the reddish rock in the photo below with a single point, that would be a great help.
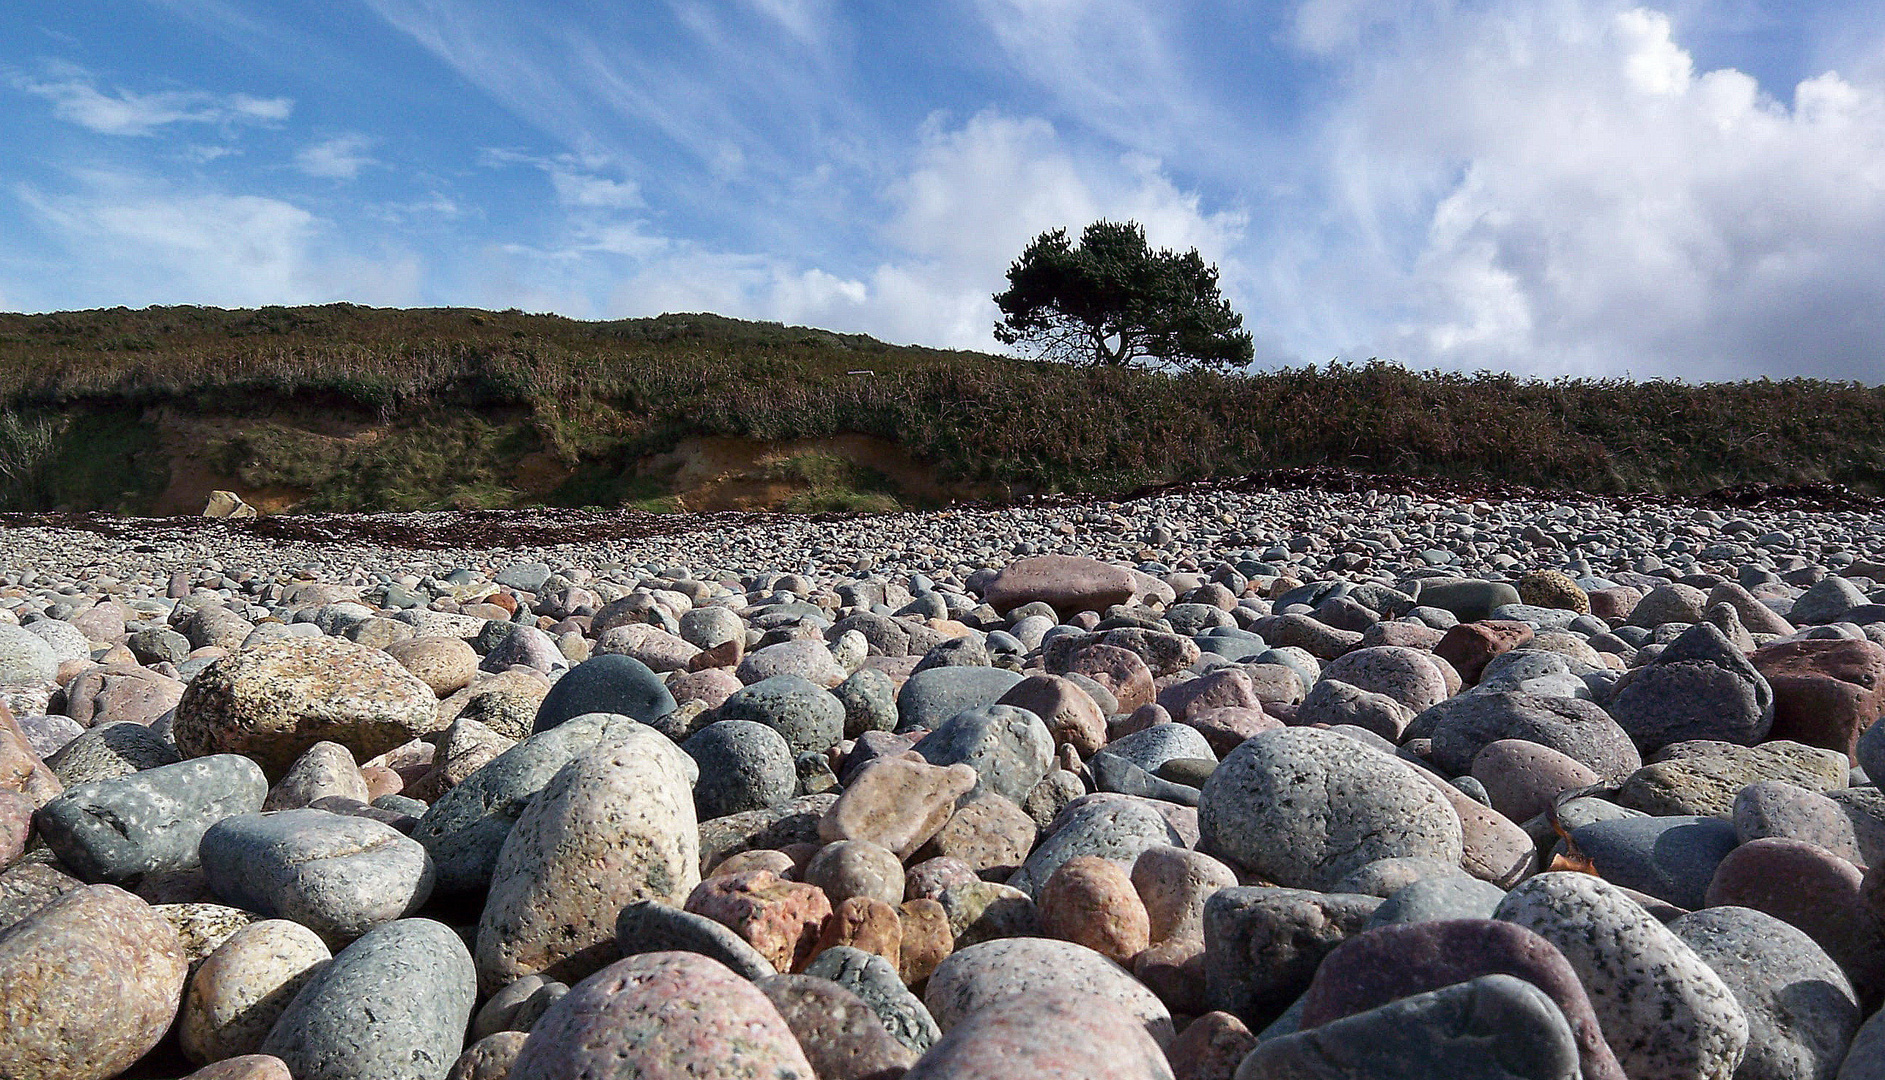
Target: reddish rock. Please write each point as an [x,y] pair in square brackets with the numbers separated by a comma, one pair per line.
[1211,1048]
[1826,690]
[989,834]
[1090,901]
[1522,777]
[1071,715]
[897,803]
[664,1014]
[1048,1035]
[927,940]
[1065,583]
[1225,728]
[711,685]
[841,1036]
[16,825]
[1469,647]
[866,923]
[1174,970]
[88,985]
[1122,672]
[1809,888]
[1614,604]
[250,1067]
[490,1058]
[20,769]
[781,919]
[1224,688]
[1393,962]
[1174,883]
[928,879]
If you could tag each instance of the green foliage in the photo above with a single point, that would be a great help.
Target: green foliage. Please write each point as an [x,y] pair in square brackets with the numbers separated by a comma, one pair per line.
[1111,300]
[28,446]
[463,395]
[834,483]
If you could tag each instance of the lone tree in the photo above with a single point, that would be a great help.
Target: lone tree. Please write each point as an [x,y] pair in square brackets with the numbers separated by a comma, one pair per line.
[1111,300]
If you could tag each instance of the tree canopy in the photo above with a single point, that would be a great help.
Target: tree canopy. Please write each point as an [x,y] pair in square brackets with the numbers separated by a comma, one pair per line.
[1111,300]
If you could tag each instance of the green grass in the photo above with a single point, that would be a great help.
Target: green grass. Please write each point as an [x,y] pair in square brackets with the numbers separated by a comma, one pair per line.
[834,483]
[463,394]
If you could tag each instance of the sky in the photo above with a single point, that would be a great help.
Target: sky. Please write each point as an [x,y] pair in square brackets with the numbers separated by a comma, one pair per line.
[1554,187]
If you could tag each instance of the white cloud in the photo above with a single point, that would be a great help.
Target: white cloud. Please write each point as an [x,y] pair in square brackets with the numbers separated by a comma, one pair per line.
[75,97]
[1557,188]
[339,158]
[594,192]
[131,240]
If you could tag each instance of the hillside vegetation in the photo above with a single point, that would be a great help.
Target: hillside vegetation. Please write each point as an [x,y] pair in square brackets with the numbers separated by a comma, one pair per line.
[342,407]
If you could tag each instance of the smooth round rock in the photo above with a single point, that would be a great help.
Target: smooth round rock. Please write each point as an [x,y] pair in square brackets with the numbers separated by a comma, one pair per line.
[88,985]
[420,984]
[25,657]
[273,701]
[648,926]
[1018,968]
[613,826]
[1462,726]
[466,828]
[1437,899]
[1768,809]
[446,664]
[605,684]
[1664,1012]
[246,1067]
[1091,901]
[326,769]
[1385,964]
[1802,1012]
[238,992]
[930,697]
[1117,827]
[1051,1035]
[1173,883]
[1304,807]
[841,1036]
[1699,687]
[1670,858]
[743,766]
[805,714]
[339,876]
[876,982]
[850,868]
[150,822]
[1495,1027]
[869,698]
[662,1014]
[1523,778]
[1010,749]
[490,1058]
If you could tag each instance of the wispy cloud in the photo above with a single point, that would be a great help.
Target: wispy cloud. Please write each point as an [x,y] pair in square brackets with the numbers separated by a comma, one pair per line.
[338,158]
[76,97]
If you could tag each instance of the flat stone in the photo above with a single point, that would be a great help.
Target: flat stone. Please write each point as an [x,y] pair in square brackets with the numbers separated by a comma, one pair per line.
[1705,776]
[121,830]
[1452,1031]
[1670,858]
[1066,583]
[897,804]
[930,697]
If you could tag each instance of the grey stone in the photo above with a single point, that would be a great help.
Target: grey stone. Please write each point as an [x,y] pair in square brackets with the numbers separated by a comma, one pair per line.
[391,1006]
[1670,858]
[873,979]
[930,697]
[150,822]
[1463,726]
[1437,899]
[1116,827]
[1699,687]
[806,714]
[605,684]
[1009,748]
[869,698]
[651,926]
[466,827]
[25,657]
[109,751]
[1262,945]
[338,876]
[1304,807]
[1664,1012]
[743,766]
[1802,1012]
[1495,1027]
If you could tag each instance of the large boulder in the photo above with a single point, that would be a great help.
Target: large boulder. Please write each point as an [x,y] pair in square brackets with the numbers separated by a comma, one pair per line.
[273,701]
[1066,583]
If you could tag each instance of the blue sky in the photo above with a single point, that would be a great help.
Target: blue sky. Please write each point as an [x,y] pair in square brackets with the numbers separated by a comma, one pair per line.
[1553,187]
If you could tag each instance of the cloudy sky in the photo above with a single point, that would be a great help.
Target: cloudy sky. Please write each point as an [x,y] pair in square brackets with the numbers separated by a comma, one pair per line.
[1551,187]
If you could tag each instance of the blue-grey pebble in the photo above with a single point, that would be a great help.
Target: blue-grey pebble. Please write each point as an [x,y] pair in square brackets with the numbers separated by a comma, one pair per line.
[338,876]
[651,926]
[1495,1027]
[928,698]
[1009,748]
[119,830]
[393,1005]
[1437,899]
[806,714]
[743,766]
[873,979]
[1670,858]
[605,684]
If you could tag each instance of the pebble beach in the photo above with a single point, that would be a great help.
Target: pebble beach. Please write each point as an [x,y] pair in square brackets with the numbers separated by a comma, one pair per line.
[1231,782]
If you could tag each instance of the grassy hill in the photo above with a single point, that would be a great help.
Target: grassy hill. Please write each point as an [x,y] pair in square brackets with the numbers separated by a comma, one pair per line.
[342,407]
